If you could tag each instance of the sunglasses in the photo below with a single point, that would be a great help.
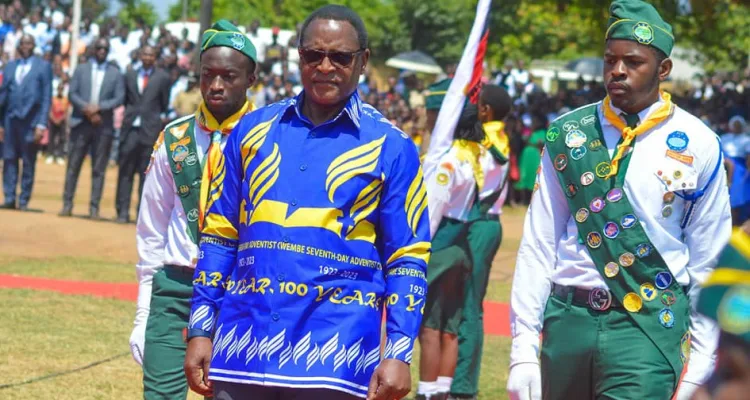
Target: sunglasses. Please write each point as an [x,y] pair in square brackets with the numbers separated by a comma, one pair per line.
[340,59]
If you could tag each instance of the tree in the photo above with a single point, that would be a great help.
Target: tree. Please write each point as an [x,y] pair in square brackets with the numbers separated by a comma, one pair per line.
[134,11]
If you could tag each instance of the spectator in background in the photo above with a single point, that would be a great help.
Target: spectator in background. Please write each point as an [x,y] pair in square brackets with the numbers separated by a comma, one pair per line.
[531,157]
[57,127]
[146,99]
[274,51]
[736,147]
[95,91]
[186,102]
[121,48]
[260,46]
[54,13]
[7,23]
[25,95]
[37,29]
[11,39]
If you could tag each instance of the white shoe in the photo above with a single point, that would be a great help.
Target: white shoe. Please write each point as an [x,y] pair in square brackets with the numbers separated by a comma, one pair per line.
[49,160]
[60,161]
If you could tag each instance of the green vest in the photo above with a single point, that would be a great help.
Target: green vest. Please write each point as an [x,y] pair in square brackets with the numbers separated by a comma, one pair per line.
[179,140]
[635,272]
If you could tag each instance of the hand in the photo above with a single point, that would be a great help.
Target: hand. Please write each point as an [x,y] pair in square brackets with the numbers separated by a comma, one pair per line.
[90,109]
[96,119]
[38,134]
[197,360]
[391,380]
[525,382]
[137,339]
[686,390]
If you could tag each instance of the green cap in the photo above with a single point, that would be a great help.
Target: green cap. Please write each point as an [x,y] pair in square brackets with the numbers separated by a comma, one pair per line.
[639,21]
[224,33]
[725,296]
[436,93]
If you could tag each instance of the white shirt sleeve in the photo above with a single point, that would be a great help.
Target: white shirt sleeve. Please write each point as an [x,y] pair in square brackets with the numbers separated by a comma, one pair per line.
[157,203]
[439,189]
[546,222]
[706,235]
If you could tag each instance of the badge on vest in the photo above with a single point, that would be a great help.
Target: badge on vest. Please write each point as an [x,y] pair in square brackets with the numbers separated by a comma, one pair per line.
[611,230]
[611,269]
[575,138]
[677,141]
[594,240]
[628,221]
[571,189]
[191,159]
[603,169]
[570,125]
[588,120]
[561,162]
[552,134]
[648,292]
[595,145]
[643,250]
[192,215]
[627,259]
[577,153]
[632,302]
[582,215]
[597,205]
[666,318]
[614,195]
[179,154]
[668,298]
[587,178]
[663,280]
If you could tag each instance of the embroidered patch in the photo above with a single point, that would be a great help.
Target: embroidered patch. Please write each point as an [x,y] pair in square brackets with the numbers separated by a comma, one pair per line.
[666,318]
[643,33]
[677,141]
[733,314]
[685,159]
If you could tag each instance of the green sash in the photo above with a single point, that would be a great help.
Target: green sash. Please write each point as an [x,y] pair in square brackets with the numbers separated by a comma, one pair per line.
[617,243]
[179,139]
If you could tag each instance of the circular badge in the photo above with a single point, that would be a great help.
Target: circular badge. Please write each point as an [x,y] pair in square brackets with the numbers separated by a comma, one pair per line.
[561,162]
[614,195]
[663,280]
[668,198]
[582,215]
[603,169]
[685,348]
[628,221]
[733,313]
[666,318]
[677,141]
[632,302]
[611,269]
[442,179]
[183,190]
[192,215]
[577,153]
[648,292]
[587,178]
[594,240]
[191,159]
[552,134]
[627,259]
[666,211]
[597,204]
[179,154]
[571,189]
[595,144]
[611,230]
[668,298]
[588,120]
[575,138]
[643,250]
[177,168]
[677,174]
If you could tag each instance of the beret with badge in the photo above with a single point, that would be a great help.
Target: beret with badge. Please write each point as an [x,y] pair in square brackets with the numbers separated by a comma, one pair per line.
[225,34]
[639,21]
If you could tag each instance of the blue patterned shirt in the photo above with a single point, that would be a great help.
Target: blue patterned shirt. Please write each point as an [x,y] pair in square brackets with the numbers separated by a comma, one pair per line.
[311,234]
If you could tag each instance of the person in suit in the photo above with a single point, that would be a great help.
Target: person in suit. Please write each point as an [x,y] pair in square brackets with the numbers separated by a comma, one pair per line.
[25,96]
[95,91]
[146,99]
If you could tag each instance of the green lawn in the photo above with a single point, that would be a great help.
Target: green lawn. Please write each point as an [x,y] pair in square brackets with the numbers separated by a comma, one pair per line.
[77,269]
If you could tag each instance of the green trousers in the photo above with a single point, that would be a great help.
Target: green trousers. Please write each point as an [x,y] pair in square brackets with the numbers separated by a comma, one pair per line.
[164,349]
[484,237]
[588,354]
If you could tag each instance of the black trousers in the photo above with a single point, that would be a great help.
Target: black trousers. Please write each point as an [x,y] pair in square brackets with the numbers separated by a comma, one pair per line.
[133,160]
[86,137]
[56,146]
[238,391]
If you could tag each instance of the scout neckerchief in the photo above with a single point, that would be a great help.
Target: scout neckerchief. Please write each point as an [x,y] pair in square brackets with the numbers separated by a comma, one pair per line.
[629,134]
[468,151]
[214,160]
[496,141]
[637,276]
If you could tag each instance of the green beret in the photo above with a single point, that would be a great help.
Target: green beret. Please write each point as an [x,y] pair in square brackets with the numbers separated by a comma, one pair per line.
[725,296]
[639,21]
[224,33]
[436,93]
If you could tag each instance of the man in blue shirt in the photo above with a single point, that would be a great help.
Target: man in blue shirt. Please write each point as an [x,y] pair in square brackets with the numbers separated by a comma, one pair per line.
[317,223]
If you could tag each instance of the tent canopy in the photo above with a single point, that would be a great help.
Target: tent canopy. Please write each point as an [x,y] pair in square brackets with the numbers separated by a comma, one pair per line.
[414,61]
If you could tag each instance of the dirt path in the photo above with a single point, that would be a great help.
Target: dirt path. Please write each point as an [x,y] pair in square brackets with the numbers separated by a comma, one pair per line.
[44,235]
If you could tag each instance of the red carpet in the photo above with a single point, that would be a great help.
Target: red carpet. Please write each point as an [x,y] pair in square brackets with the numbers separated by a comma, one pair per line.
[496,315]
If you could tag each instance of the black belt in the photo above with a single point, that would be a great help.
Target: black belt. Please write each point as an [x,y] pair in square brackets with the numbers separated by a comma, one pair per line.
[181,269]
[596,299]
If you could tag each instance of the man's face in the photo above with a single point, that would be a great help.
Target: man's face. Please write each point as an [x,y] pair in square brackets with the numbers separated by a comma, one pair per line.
[148,57]
[26,46]
[632,75]
[226,74]
[101,49]
[330,79]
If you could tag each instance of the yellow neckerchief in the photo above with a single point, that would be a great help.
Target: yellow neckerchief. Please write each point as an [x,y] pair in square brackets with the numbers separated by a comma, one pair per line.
[208,123]
[468,151]
[496,136]
[628,135]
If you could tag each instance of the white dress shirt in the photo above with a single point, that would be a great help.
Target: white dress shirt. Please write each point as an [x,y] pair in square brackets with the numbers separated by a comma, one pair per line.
[120,52]
[450,191]
[22,69]
[161,231]
[495,176]
[97,77]
[550,251]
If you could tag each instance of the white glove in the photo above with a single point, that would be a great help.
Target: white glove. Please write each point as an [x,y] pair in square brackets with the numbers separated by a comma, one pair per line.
[137,340]
[525,382]
[686,390]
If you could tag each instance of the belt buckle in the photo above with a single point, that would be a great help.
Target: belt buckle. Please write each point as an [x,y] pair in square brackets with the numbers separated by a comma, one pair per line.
[600,299]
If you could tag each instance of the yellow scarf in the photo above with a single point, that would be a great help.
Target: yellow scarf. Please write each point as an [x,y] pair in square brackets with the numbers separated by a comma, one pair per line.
[469,151]
[657,117]
[214,160]
[495,136]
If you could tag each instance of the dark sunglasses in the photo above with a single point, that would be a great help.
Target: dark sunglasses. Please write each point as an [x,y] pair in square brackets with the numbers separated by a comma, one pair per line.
[102,48]
[340,59]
